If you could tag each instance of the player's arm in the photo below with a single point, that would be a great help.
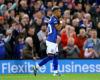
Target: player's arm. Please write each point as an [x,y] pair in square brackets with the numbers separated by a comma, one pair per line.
[58,26]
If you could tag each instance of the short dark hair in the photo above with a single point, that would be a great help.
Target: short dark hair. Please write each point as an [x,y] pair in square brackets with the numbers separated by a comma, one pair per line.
[55,8]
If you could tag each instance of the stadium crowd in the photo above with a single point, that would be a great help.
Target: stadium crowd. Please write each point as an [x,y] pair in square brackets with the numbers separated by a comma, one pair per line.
[23,28]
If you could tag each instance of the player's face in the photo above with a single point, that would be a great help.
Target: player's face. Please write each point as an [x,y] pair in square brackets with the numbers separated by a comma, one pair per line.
[58,13]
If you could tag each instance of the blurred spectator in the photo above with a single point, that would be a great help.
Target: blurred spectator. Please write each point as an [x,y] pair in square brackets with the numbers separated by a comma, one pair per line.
[64,36]
[66,17]
[9,44]
[49,4]
[81,38]
[71,49]
[90,52]
[67,32]
[93,40]
[42,38]
[95,11]
[28,51]
[87,21]
[3,51]
[19,47]
[38,21]
[75,23]
[23,6]
[35,41]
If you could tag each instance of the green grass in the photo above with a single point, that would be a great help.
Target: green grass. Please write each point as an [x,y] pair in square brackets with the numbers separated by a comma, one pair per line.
[50,77]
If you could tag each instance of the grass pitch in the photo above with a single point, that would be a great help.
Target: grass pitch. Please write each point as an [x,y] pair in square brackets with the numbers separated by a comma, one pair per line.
[50,77]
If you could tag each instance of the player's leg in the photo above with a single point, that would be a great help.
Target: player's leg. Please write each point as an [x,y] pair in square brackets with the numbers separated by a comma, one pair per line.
[44,61]
[55,61]
[50,51]
[55,64]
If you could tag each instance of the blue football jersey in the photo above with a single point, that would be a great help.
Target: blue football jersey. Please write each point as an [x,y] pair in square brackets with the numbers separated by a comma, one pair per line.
[52,31]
